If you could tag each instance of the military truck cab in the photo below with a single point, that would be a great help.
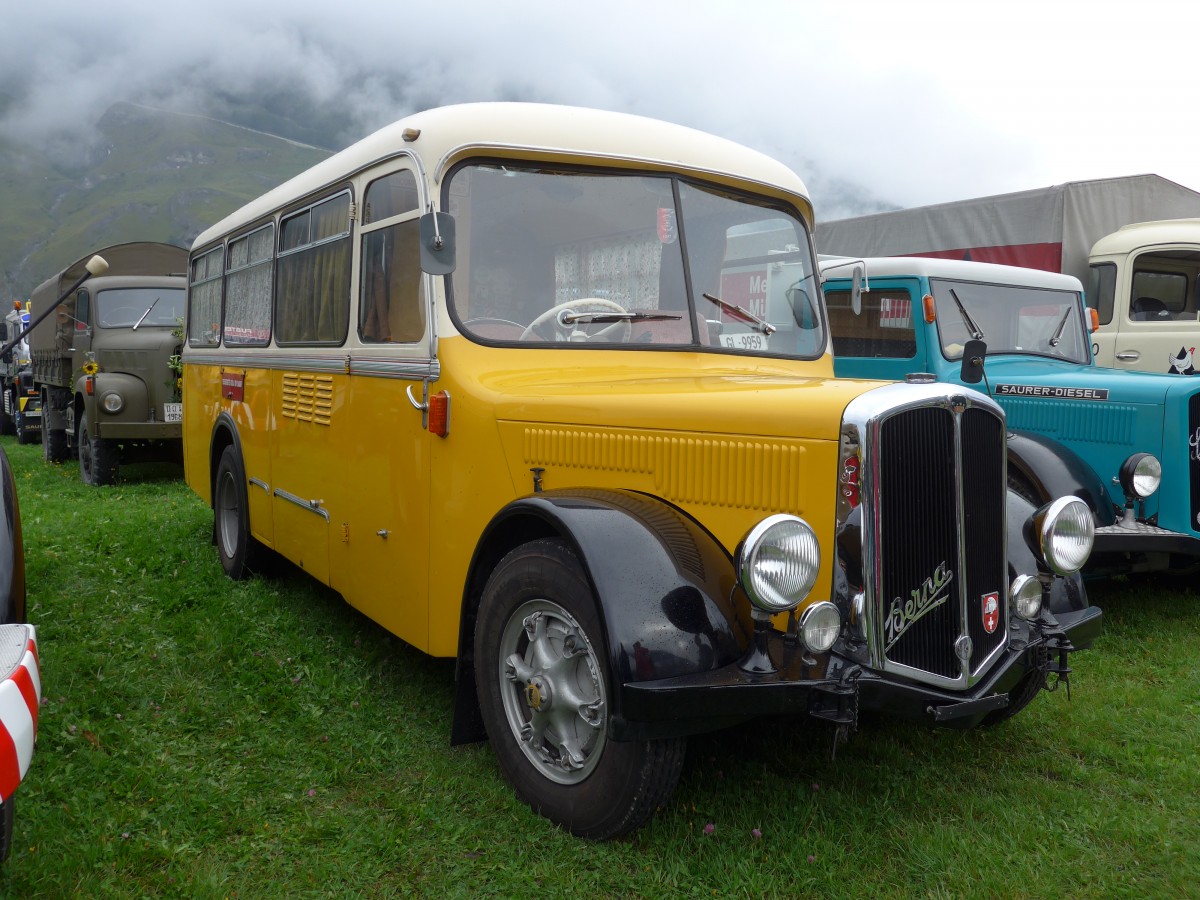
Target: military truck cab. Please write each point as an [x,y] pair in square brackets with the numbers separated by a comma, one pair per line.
[106,361]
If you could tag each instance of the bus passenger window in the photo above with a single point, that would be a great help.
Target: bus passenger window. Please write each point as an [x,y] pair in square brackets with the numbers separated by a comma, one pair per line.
[204,322]
[391,309]
[391,195]
[313,291]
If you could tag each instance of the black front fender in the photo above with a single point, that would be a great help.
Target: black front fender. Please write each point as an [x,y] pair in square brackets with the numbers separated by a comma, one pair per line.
[1053,470]
[663,585]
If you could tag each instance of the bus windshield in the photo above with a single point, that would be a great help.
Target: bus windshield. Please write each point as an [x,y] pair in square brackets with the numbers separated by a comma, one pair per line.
[585,258]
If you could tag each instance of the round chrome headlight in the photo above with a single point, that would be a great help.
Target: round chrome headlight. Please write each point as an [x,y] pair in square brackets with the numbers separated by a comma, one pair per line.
[820,625]
[1141,475]
[112,402]
[1065,531]
[1025,597]
[778,562]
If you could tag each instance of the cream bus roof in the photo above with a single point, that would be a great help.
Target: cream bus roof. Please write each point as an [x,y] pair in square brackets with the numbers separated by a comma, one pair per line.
[558,133]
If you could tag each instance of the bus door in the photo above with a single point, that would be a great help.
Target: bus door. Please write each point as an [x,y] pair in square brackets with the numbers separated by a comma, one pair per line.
[381,551]
[310,382]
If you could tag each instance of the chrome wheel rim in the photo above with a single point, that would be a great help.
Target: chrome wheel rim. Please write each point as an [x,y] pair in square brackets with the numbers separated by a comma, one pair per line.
[227,509]
[553,695]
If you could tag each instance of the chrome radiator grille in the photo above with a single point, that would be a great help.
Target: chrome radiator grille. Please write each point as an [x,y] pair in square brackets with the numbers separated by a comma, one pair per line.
[939,543]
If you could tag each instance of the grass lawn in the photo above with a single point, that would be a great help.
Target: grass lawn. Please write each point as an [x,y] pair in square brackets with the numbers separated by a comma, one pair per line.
[205,738]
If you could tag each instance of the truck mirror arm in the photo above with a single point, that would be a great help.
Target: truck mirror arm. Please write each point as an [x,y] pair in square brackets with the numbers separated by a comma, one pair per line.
[95,266]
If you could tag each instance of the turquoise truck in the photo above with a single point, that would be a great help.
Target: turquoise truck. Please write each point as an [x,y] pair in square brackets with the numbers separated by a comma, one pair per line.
[1128,443]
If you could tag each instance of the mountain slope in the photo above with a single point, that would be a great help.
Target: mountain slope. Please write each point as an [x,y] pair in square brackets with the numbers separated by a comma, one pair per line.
[149,175]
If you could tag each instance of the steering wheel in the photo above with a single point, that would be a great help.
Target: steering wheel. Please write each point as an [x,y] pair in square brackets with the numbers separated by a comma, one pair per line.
[563,332]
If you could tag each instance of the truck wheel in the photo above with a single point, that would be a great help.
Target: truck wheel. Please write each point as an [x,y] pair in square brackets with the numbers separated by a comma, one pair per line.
[231,517]
[98,461]
[24,435]
[6,416]
[54,445]
[541,672]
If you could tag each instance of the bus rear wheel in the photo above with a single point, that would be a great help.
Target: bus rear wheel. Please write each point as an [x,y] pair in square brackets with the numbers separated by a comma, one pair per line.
[231,516]
[542,677]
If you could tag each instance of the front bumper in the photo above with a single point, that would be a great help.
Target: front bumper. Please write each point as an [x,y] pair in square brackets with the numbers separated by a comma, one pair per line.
[139,431]
[1141,538]
[837,687]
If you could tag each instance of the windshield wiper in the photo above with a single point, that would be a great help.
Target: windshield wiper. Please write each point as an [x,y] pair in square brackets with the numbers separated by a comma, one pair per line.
[588,318]
[146,313]
[1059,330]
[743,315]
[966,317]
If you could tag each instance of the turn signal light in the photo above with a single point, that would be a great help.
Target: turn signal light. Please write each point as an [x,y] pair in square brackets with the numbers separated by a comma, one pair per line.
[928,307]
[439,414]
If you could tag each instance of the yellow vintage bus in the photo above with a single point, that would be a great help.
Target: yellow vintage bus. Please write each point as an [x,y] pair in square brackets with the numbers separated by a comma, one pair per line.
[548,390]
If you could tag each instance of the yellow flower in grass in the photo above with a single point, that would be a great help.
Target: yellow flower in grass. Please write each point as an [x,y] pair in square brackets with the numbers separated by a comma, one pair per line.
[91,367]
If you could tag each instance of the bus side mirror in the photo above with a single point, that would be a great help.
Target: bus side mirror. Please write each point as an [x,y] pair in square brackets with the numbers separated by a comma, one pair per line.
[972,362]
[856,289]
[437,243]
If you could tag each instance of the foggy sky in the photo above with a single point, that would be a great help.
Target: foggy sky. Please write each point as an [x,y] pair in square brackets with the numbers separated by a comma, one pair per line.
[914,102]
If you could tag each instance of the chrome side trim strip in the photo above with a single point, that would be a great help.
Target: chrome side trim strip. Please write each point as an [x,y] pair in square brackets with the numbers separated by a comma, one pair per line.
[259,483]
[311,505]
[376,367]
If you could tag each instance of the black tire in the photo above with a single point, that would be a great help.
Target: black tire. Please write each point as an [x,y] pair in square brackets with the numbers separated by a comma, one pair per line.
[6,827]
[574,775]
[99,460]
[7,425]
[54,443]
[24,434]
[239,551]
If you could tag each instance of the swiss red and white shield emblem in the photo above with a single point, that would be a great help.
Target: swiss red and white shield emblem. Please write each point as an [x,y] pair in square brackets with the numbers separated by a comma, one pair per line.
[991,611]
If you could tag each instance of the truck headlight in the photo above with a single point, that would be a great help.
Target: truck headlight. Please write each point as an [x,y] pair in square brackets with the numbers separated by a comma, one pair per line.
[778,562]
[1065,531]
[820,625]
[1025,597]
[112,402]
[1140,476]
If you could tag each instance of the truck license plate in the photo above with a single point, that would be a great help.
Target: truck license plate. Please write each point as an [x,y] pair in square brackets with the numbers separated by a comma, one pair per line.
[172,412]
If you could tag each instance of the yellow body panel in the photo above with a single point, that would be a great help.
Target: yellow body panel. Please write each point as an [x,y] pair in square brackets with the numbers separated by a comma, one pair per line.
[406,509]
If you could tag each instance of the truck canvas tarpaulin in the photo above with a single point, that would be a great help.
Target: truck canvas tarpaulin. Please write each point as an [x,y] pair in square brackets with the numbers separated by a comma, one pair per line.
[1050,228]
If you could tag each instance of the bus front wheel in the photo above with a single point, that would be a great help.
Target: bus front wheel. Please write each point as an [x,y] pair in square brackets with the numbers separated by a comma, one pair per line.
[542,677]
[231,516]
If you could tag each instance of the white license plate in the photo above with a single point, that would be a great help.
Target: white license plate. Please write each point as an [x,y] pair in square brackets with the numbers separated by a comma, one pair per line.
[172,412]
[744,340]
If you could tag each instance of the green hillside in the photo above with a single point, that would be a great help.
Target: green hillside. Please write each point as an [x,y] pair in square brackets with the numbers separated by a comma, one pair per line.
[144,175]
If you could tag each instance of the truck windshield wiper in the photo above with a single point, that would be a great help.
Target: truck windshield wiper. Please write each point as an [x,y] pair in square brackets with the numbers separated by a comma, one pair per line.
[743,315]
[146,313]
[966,317]
[1059,330]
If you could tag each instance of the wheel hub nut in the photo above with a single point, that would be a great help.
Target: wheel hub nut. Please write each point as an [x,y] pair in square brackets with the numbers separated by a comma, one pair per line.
[537,694]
